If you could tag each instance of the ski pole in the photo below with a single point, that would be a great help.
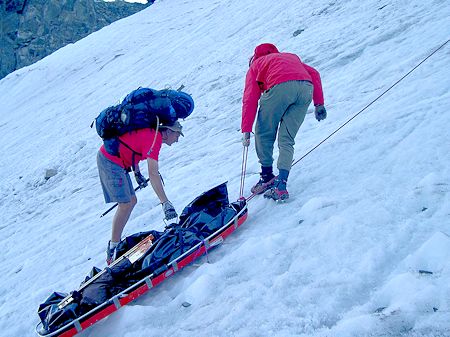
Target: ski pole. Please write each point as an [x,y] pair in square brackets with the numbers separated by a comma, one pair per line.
[116,204]
[243,169]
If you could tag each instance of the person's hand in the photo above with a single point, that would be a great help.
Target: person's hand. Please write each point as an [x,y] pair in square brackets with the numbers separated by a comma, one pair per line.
[320,112]
[246,139]
[169,210]
[140,179]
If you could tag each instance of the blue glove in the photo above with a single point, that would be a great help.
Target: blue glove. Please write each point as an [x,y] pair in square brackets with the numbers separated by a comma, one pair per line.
[320,112]
[169,210]
[140,179]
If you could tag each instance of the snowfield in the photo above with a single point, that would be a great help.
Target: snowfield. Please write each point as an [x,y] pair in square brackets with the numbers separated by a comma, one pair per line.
[362,248]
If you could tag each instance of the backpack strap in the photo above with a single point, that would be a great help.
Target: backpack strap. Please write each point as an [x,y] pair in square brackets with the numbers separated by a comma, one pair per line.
[133,164]
[156,135]
[138,153]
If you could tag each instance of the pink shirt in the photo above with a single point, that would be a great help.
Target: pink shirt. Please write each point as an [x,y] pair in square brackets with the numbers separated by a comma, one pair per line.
[269,70]
[140,141]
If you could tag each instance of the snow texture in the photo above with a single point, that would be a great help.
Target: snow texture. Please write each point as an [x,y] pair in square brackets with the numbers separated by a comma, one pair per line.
[362,248]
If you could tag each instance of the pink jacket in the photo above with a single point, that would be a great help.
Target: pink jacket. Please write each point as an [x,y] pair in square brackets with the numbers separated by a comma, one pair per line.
[268,68]
[141,141]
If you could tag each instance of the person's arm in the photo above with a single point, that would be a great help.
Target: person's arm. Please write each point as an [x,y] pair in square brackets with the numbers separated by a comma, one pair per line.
[317,83]
[250,99]
[155,180]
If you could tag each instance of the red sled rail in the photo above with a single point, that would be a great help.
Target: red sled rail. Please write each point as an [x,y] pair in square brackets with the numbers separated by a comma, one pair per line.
[140,288]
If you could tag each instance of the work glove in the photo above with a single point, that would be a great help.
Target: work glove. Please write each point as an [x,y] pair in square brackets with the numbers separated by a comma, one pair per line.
[140,179]
[169,210]
[320,112]
[246,139]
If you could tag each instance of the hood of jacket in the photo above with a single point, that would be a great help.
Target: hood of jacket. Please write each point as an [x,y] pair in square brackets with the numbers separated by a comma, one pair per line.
[264,49]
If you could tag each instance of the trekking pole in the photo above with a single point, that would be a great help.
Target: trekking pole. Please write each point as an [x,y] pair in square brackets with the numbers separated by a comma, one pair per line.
[116,204]
[243,169]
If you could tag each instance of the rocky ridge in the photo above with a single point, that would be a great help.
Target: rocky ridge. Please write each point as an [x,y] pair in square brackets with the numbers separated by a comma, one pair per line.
[33,29]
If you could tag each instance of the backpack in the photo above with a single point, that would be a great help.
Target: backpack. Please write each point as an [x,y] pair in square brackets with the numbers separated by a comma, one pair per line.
[142,108]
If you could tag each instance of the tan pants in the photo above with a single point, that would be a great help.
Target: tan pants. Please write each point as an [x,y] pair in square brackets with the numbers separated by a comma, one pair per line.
[282,110]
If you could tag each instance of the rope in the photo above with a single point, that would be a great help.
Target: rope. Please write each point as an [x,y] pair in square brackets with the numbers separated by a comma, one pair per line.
[368,105]
[363,109]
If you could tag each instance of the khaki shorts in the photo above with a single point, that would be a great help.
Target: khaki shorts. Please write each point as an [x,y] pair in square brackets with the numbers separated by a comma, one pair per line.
[115,181]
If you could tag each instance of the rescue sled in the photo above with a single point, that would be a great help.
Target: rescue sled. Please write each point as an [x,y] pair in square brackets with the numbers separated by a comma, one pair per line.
[148,259]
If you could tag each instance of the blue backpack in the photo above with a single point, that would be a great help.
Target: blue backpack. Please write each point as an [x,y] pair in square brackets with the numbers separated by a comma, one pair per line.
[140,109]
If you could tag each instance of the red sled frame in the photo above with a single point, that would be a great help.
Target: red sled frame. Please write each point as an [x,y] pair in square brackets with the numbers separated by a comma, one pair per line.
[140,288]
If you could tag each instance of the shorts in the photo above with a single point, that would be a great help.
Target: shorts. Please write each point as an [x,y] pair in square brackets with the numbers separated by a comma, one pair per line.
[115,180]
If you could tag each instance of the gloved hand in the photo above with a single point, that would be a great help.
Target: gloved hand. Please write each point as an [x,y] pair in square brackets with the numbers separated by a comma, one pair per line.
[140,179]
[320,112]
[169,210]
[246,139]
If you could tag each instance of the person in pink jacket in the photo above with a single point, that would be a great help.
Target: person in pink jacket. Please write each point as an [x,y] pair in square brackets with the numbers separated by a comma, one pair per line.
[135,146]
[284,86]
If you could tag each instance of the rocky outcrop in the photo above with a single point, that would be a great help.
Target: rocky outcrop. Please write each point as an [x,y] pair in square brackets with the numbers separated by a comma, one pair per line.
[33,29]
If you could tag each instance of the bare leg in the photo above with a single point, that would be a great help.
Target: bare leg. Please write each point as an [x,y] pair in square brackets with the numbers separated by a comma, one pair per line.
[121,217]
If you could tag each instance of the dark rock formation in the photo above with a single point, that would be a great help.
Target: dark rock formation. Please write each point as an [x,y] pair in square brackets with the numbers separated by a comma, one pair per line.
[33,29]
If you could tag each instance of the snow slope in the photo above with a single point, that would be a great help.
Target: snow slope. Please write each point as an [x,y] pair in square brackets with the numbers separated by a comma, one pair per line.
[370,207]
